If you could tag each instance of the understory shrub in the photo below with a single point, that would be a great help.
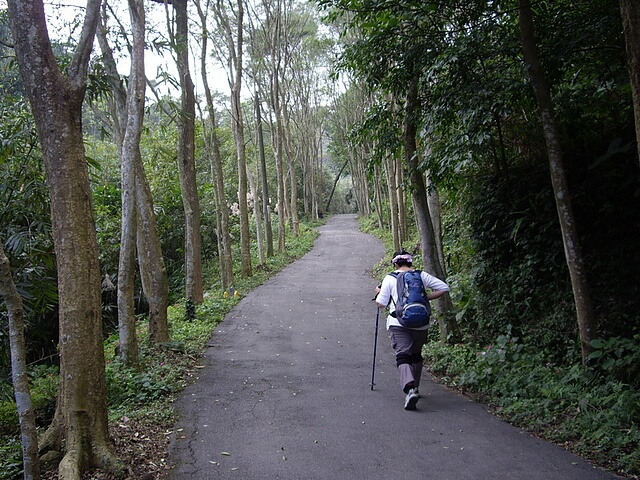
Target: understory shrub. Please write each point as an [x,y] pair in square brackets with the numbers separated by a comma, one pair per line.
[593,415]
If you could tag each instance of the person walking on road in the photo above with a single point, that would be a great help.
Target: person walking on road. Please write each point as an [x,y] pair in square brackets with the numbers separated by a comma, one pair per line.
[407,342]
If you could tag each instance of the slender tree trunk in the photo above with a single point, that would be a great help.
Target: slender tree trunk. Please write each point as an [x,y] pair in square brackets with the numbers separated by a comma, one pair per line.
[225,254]
[263,178]
[378,192]
[129,157]
[430,257]
[19,376]
[258,216]
[277,135]
[403,229]
[335,183]
[153,273]
[186,162]
[293,176]
[435,211]
[570,239]
[630,11]
[80,421]
[392,186]
[234,38]
[238,133]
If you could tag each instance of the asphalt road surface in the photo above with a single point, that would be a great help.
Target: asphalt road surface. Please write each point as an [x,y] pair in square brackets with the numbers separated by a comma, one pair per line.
[285,391]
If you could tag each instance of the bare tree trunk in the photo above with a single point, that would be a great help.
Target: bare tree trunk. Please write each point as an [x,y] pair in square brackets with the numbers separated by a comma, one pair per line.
[570,239]
[235,48]
[258,216]
[378,192]
[630,11]
[435,211]
[263,178]
[238,130]
[335,183]
[153,273]
[431,260]
[277,135]
[129,155]
[186,162]
[274,21]
[80,421]
[225,254]
[293,176]
[19,376]
[392,186]
[403,229]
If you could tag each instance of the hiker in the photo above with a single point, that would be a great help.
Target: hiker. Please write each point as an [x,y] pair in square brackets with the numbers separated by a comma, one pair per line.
[407,342]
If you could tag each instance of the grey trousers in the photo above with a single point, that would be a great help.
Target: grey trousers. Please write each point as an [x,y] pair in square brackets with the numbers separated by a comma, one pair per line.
[407,344]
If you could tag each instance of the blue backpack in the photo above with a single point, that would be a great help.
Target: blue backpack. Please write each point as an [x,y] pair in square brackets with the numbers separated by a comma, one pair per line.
[413,309]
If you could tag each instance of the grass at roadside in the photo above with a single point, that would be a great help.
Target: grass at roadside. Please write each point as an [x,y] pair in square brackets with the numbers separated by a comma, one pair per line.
[141,414]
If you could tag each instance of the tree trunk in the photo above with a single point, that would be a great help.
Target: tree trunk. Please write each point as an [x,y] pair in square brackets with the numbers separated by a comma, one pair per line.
[435,211]
[80,421]
[392,186]
[212,142]
[630,11]
[255,194]
[238,134]
[403,229]
[153,273]
[186,163]
[234,52]
[572,249]
[431,260]
[293,176]
[19,376]
[335,183]
[378,192]
[263,178]
[129,155]
[277,136]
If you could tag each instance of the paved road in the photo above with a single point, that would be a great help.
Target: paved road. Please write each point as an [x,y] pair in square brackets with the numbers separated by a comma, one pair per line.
[285,392]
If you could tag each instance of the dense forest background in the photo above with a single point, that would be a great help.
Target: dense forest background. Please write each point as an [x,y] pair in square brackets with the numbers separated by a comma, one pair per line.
[397,111]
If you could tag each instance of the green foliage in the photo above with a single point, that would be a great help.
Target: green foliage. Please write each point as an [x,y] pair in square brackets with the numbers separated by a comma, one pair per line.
[617,358]
[44,392]
[593,416]
[10,459]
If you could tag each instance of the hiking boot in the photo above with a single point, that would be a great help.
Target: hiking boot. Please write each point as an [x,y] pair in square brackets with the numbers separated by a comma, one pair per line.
[411,399]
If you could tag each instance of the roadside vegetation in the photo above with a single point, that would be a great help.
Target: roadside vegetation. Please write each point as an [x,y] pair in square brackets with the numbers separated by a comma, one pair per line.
[141,414]
[529,373]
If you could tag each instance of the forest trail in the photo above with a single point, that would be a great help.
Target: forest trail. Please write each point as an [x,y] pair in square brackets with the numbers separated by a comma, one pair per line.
[285,391]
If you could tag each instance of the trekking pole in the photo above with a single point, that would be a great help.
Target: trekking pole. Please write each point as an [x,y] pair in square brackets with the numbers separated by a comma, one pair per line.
[375,347]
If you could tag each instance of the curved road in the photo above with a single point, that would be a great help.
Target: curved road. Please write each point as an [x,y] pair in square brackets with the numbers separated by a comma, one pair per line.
[285,392]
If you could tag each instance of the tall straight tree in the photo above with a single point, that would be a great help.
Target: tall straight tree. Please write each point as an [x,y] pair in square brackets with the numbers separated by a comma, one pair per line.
[272,34]
[263,176]
[129,154]
[186,159]
[153,273]
[430,256]
[212,142]
[232,28]
[19,374]
[80,420]
[570,239]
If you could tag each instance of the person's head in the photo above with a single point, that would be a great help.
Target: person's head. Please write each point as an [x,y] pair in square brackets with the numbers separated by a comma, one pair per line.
[402,258]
